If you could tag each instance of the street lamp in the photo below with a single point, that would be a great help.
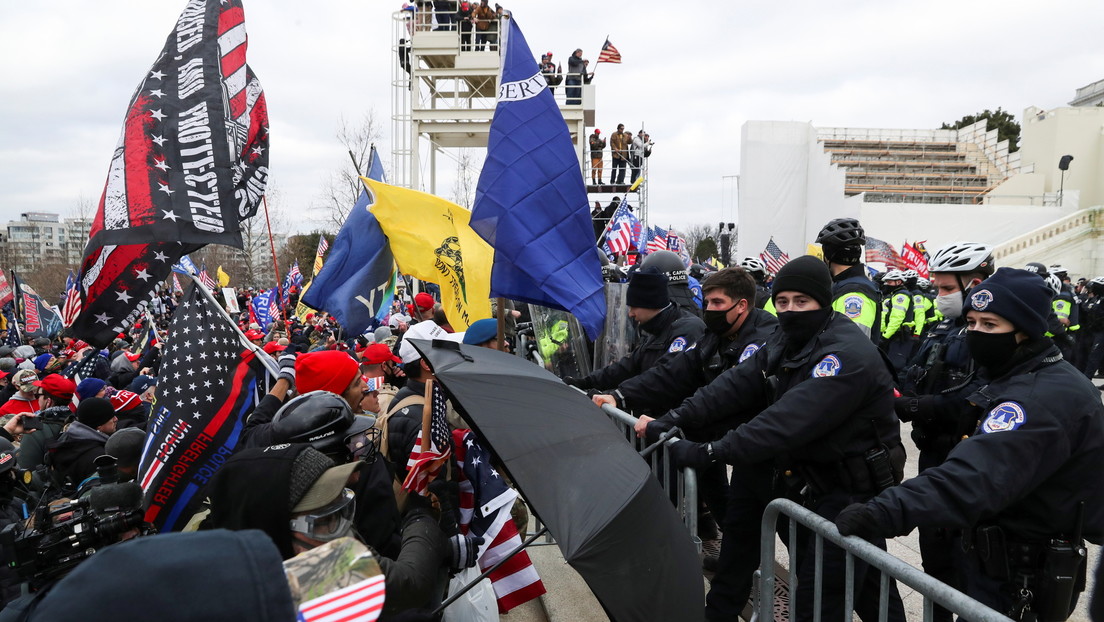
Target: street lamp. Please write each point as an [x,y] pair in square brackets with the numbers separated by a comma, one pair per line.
[1063,165]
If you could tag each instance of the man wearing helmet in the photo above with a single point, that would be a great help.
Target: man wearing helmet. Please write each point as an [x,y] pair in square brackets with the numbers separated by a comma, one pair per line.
[758,271]
[853,293]
[934,386]
[1057,323]
[898,339]
[678,282]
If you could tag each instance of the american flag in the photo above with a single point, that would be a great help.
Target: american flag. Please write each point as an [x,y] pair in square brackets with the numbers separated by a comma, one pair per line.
[774,257]
[878,251]
[294,277]
[14,338]
[609,54]
[657,240]
[6,293]
[623,232]
[422,467]
[323,246]
[362,602]
[677,244]
[177,289]
[71,309]
[206,388]
[485,504]
[206,279]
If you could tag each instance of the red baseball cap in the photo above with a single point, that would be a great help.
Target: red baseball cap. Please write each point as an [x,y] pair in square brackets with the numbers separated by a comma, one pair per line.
[273,346]
[132,356]
[254,335]
[59,386]
[376,353]
[424,301]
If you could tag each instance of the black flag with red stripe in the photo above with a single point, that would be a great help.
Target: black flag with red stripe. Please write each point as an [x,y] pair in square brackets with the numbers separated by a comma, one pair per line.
[191,164]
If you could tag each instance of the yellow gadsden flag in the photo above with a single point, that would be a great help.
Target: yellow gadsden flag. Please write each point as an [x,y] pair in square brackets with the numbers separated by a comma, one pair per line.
[432,240]
[223,278]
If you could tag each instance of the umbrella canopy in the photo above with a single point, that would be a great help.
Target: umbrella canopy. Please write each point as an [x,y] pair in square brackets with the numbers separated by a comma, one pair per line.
[612,521]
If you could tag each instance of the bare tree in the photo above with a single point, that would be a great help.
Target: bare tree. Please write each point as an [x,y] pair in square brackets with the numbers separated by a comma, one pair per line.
[343,187]
[696,234]
[467,171]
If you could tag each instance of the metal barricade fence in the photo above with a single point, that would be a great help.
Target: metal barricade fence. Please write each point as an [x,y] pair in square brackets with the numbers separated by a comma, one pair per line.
[932,590]
[683,488]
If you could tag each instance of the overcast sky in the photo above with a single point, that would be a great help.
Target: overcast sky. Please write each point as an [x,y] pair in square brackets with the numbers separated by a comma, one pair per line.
[693,73]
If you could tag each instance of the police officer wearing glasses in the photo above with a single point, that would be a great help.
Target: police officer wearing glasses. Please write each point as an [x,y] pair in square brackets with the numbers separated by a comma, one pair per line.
[1026,488]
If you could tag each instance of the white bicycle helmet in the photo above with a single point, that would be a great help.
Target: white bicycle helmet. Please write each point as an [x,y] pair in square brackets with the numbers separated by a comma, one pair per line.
[963,257]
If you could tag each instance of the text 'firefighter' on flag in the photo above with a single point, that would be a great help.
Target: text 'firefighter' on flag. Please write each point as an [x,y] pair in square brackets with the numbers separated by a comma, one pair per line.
[204,392]
[191,163]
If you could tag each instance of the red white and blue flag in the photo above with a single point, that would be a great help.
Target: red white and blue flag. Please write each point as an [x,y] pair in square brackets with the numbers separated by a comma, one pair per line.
[624,230]
[424,463]
[206,279]
[774,257]
[881,252]
[485,505]
[914,260]
[191,163]
[362,602]
[71,309]
[656,240]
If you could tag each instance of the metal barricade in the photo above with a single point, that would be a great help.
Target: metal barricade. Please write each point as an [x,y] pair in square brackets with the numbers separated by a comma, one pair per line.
[684,487]
[932,590]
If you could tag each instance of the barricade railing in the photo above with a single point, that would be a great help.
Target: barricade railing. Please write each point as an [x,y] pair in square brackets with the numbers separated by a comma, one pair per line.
[683,488]
[932,590]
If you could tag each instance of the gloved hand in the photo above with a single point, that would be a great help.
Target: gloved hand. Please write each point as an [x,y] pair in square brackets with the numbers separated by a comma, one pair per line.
[572,381]
[919,409]
[287,368]
[656,429]
[448,500]
[463,551]
[858,519]
[685,453]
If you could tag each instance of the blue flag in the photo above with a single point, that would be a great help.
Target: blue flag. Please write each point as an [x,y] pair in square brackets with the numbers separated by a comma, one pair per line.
[263,307]
[185,266]
[531,204]
[357,282]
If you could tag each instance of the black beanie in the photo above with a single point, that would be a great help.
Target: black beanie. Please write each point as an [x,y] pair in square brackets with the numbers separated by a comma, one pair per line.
[95,411]
[806,274]
[1019,296]
[647,289]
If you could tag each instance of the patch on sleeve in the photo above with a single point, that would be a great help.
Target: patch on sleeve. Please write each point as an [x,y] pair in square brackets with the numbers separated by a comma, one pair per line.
[852,306]
[828,366]
[748,352]
[678,345]
[1004,417]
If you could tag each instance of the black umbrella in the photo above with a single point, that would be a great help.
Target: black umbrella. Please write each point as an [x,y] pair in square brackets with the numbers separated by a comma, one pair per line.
[612,521]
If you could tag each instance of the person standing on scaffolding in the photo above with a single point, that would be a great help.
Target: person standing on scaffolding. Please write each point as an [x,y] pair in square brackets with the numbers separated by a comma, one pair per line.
[811,418]
[597,146]
[619,150]
[576,71]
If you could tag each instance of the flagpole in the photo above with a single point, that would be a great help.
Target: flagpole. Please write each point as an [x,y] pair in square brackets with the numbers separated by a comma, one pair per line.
[262,356]
[427,416]
[272,246]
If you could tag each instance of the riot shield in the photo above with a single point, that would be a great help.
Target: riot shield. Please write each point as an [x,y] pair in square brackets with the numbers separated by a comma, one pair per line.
[561,342]
[620,335]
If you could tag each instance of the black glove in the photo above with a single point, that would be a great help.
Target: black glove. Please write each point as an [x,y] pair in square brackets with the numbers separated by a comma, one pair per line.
[575,382]
[919,409]
[448,498]
[656,429]
[287,368]
[858,519]
[463,551]
[688,454]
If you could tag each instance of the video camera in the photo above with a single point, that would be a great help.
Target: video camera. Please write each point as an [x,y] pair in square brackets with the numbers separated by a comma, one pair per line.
[66,532]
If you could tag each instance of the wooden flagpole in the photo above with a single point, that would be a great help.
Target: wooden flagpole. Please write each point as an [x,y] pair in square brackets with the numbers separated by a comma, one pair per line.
[427,416]
[275,264]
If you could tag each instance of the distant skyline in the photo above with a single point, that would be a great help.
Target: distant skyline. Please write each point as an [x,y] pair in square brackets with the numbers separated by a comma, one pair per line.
[692,75]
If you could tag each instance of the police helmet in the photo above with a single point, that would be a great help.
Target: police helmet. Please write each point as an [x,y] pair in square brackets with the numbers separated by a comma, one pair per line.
[1058,270]
[1054,283]
[1098,280]
[668,263]
[923,283]
[893,275]
[320,418]
[1037,268]
[698,271]
[842,232]
[910,274]
[753,265]
[963,257]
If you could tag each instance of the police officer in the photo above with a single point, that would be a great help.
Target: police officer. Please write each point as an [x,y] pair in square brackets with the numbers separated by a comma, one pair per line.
[758,271]
[814,401]
[853,293]
[920,304]
[1065,309]
[1057,328]
[1026,486]
[934,387]
[1093,328]
[667,329]
[898,338]
[736,329]
[678,282]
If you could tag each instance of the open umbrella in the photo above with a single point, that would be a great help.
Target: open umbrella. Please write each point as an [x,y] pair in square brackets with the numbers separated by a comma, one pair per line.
[612,521]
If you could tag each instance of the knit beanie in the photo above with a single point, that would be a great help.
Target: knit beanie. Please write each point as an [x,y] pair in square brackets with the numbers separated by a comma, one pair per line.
[89,387]
[647,289]
[126,446]
[806,274]
[95,411]
[309,465]
[325,370]
[1019,296]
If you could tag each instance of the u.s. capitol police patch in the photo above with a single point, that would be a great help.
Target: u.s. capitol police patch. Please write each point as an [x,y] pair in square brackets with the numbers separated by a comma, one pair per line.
[980,299]
[828,366]
[852,306]
[1004,417]
[748,352]
[678,345]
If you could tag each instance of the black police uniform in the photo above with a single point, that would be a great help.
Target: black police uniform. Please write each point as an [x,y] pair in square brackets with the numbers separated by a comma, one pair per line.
[934,386]
[1091,335]
[1038,452]
[819,411]
[672,330]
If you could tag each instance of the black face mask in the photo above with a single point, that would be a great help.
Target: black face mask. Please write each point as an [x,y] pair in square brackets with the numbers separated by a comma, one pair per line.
[801,326]
[716,320]
[991,350]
